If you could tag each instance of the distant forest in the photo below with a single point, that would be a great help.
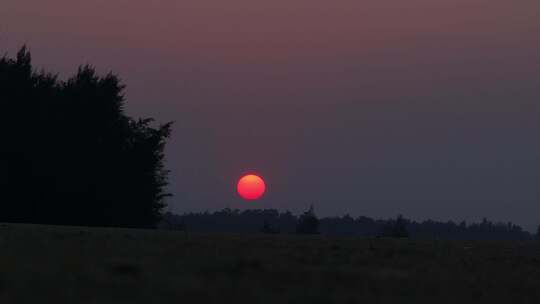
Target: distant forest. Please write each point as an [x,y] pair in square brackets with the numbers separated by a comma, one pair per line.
[273,221]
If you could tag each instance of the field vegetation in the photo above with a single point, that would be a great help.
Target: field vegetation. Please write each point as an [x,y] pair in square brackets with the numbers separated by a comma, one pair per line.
[105,265]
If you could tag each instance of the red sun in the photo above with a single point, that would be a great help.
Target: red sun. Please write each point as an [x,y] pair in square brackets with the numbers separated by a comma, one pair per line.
[251,187]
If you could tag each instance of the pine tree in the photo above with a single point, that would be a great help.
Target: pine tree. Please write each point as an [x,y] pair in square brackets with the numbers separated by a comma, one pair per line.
[308,223]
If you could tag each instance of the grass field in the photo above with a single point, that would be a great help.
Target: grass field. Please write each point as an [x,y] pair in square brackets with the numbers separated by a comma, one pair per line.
[47,264]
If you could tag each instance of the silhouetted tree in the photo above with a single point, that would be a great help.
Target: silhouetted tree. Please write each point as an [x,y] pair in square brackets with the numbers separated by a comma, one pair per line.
[308,223]
[395,228]
[70,155]
[537,236]
[400,228]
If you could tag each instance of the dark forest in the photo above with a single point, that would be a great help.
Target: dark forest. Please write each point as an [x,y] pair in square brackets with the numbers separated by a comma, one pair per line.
[69,153]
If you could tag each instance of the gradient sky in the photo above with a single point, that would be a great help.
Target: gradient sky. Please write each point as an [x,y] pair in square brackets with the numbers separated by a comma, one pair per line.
[428,108]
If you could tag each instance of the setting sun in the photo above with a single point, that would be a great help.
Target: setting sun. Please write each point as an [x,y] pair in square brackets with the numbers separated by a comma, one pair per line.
[251,187]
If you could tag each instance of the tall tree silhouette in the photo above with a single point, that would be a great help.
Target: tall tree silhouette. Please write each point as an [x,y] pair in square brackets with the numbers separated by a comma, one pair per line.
[308,223]
[70,154]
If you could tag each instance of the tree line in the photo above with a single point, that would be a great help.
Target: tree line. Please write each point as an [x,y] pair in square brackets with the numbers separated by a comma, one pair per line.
[274,221]
[70,155]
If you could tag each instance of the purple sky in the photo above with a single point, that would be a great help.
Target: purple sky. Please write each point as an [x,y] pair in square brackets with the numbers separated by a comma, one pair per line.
[429,108]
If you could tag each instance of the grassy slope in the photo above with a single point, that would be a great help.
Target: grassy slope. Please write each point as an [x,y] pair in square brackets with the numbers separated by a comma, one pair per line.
[82,265]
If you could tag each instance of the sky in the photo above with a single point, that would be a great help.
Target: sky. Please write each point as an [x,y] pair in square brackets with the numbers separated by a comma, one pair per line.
[426,108]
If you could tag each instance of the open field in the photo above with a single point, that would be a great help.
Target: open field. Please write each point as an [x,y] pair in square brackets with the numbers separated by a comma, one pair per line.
[41,264]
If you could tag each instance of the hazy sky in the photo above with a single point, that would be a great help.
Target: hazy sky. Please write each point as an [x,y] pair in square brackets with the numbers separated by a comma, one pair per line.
[428,108]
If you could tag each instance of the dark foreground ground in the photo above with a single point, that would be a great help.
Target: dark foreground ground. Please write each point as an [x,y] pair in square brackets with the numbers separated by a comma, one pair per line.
[45,264]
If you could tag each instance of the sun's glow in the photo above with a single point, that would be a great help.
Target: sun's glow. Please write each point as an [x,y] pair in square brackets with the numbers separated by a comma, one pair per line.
[251,187]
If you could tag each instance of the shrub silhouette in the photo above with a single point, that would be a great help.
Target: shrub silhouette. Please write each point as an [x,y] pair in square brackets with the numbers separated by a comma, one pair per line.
[308,223]
[69,153]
